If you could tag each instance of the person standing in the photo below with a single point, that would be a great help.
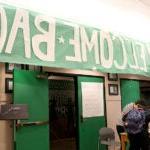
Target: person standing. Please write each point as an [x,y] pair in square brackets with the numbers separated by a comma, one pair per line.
[139,139]
[120,124]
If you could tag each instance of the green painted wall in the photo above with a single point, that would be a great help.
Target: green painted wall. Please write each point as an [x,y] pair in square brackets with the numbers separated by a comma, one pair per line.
[130,91]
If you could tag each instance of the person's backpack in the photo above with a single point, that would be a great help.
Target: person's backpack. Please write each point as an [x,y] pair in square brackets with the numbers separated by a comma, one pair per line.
[135,121]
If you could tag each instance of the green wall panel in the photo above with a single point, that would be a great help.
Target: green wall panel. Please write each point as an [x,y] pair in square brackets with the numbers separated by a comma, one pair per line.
[130,91]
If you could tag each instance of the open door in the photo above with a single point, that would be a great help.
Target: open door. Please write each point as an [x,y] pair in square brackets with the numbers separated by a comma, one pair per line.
[33,133]
[91,115]
[130,91]
[62,113]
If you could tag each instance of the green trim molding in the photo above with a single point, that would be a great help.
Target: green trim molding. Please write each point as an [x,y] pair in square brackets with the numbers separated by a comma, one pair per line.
[27,37]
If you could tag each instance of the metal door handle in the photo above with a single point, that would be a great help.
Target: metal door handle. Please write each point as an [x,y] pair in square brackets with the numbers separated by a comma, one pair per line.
[35,123]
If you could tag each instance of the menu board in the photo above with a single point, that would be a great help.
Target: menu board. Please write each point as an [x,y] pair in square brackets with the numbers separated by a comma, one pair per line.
[92,99]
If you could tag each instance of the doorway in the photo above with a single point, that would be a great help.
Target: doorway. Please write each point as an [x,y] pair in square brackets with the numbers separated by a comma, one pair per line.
[145,91]
[62,112]
[60,100]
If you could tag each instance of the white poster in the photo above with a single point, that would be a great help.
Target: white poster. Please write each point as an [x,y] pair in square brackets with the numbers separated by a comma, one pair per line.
[92,99]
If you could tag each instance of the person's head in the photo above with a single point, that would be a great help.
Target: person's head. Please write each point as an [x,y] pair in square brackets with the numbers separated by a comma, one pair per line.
[141,104]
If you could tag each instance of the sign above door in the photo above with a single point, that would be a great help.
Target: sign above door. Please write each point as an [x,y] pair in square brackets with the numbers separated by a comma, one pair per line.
[31,38]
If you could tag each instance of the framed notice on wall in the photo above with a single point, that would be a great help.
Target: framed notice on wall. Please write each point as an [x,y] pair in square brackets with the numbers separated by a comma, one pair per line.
[92,99]
[8,85]
[113,89]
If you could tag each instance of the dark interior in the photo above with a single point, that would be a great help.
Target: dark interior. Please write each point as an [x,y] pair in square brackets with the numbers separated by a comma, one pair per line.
[62,113]
[145,91]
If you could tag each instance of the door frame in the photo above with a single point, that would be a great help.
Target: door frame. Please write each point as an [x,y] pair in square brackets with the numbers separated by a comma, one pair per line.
[74,76]
[76,112]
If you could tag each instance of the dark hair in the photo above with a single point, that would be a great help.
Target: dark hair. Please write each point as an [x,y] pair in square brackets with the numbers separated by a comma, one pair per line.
[142,104]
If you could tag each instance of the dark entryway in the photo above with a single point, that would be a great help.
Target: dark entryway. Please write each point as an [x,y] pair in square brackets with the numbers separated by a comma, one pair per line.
[145,91]
[62,113]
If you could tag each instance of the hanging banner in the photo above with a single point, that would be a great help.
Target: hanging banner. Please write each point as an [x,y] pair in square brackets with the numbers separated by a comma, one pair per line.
[31,38]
